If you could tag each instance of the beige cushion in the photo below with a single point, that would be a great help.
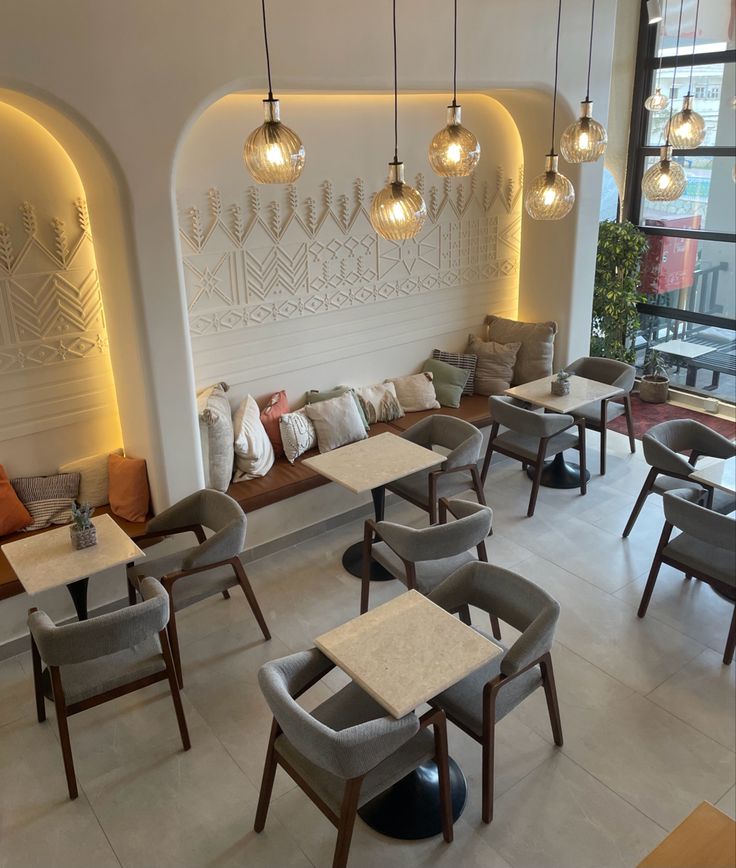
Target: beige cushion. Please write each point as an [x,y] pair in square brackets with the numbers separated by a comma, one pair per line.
[416,392]
[495,368]
[93,477]
[537,339]
[253,450]
[297,434]
[216,436]
[337,422]
[379,403]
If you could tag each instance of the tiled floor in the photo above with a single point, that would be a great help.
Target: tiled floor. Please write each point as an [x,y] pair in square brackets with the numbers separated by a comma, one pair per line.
[647,711]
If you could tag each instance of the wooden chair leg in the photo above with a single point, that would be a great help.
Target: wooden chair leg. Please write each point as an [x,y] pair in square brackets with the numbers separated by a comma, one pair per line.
[538,468]
[731,641]
[131,593]
[174,687]
[365,579]
[651,582]
[174,641]
[584,460]
[66,746]
[489,453]
[269,774]
[550,691]
[643,494]
[348,812]
[226,594]
[478,486]
[489,739]
[629,422]
[37,682]
[441,757]
[250,596]
[464,614]
[604,430]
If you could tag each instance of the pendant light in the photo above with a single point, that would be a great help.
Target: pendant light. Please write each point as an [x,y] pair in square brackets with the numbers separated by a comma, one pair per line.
[665,181]
[551,195]
[454,152]
[686,129]
[273,153]
[398,211]
[658,102]
[584,141]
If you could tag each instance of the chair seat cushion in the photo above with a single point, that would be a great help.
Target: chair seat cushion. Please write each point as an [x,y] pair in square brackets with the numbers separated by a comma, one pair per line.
[349,707]
[429,573]
[669,483]
[703,558]
[415,487]
[527,446]
[592,412]
[83,680]
[188,589]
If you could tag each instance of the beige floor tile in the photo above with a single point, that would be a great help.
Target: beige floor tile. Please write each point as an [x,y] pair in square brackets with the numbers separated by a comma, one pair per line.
[727,803]
[16,690]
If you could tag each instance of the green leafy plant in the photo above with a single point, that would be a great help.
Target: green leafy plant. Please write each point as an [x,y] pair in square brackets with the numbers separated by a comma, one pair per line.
[654,365]
[562,376]
[82,515]
[621,247]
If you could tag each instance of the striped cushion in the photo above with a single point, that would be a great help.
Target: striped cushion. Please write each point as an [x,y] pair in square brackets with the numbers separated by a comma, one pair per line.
[47,498]
[460,360]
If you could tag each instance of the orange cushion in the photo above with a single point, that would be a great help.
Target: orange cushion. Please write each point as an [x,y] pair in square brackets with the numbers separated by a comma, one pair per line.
[13,514]
[128,487]
[278,405]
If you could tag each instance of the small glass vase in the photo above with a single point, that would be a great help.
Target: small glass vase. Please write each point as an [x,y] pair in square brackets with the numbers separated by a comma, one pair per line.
[560,387]
[82,539]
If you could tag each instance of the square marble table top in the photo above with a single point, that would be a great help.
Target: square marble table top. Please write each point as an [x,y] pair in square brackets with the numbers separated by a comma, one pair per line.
[48,560]
[406,651]
[582,391]
[719,474]
[373,462]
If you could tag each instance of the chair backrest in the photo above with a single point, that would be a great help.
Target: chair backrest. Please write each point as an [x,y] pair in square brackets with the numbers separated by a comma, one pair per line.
[462,438]
[105,634]
[506,411]
[610,371]
[664,441]
[695,520]
[440,541]
[347,753]
[213,510]
[510,597]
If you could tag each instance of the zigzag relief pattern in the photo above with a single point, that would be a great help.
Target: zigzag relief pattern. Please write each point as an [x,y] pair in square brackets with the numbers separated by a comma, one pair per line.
[252,262]
[49,293]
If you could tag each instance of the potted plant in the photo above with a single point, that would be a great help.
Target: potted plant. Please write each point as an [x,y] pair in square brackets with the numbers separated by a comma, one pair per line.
[654,384]
[82,531]
[561,385]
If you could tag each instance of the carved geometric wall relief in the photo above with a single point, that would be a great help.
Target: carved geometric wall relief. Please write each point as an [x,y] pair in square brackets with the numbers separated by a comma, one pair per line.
[249,262]
[50,303]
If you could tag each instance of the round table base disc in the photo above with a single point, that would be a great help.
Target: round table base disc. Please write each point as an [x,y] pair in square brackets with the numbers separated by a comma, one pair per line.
[352,561]
[559,474]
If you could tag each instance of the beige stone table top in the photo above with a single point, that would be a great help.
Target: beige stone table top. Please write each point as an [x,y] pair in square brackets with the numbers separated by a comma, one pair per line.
[719,474]
[582,391]
[48,560]
[373,462]
[406,651]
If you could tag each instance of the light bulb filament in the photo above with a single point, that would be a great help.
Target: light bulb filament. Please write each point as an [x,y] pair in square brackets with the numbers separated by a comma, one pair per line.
[274,155]
[454,153]
[549,196]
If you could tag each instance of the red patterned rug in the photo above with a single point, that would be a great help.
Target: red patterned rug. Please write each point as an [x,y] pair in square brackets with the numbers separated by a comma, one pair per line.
[645,415]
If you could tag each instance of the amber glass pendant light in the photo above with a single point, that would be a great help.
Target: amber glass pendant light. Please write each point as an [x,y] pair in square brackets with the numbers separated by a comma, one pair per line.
[686,129]
[398,211]
[658,102]
[454,152]
[585,140]
[273,153]
[550,196]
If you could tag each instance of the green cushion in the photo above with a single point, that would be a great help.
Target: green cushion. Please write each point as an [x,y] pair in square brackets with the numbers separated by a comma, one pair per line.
[314,396]
[449,381]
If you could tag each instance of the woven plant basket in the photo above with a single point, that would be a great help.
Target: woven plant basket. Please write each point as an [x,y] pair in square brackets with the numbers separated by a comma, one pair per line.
[82,539]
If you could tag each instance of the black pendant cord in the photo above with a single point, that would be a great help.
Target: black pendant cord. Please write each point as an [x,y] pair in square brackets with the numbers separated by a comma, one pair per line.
[454,63]
[268,57]
[590,51]
[396,95]
[695,37]
[557,64]
[674,73]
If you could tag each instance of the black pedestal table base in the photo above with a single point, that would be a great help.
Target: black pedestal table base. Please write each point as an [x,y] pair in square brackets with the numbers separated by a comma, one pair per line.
[559,474]
[352,559]
[410,809]
[78,593]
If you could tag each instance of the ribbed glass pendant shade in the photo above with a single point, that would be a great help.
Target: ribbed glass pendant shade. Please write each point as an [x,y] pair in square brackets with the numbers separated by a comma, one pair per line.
[686,129]
[273,153]
[551,195]
[398,211]
[657,102]
[584,140]
[665,181]
[454,152]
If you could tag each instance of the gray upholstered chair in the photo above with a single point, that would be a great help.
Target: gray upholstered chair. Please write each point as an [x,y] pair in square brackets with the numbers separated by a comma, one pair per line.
[348,750]
[424,557]
[457,473]
[531,437]
[210,567]
[479,701]
[94,661]
[598,414]
[663,444]
[706,549]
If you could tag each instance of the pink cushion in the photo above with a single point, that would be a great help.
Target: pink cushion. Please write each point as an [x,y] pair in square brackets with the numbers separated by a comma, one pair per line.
[278,404]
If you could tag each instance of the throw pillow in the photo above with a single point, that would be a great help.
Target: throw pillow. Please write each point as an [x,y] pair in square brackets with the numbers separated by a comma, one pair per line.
[297,434]
[314,397]
[13,515]
[448,381]
[47,498]
[379,403]
[537,340]
[415,392]
[466,361]
[93,483]
[128,483]
[253,450]
[278,404]
[337,422]
[216,436]
[495,368]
